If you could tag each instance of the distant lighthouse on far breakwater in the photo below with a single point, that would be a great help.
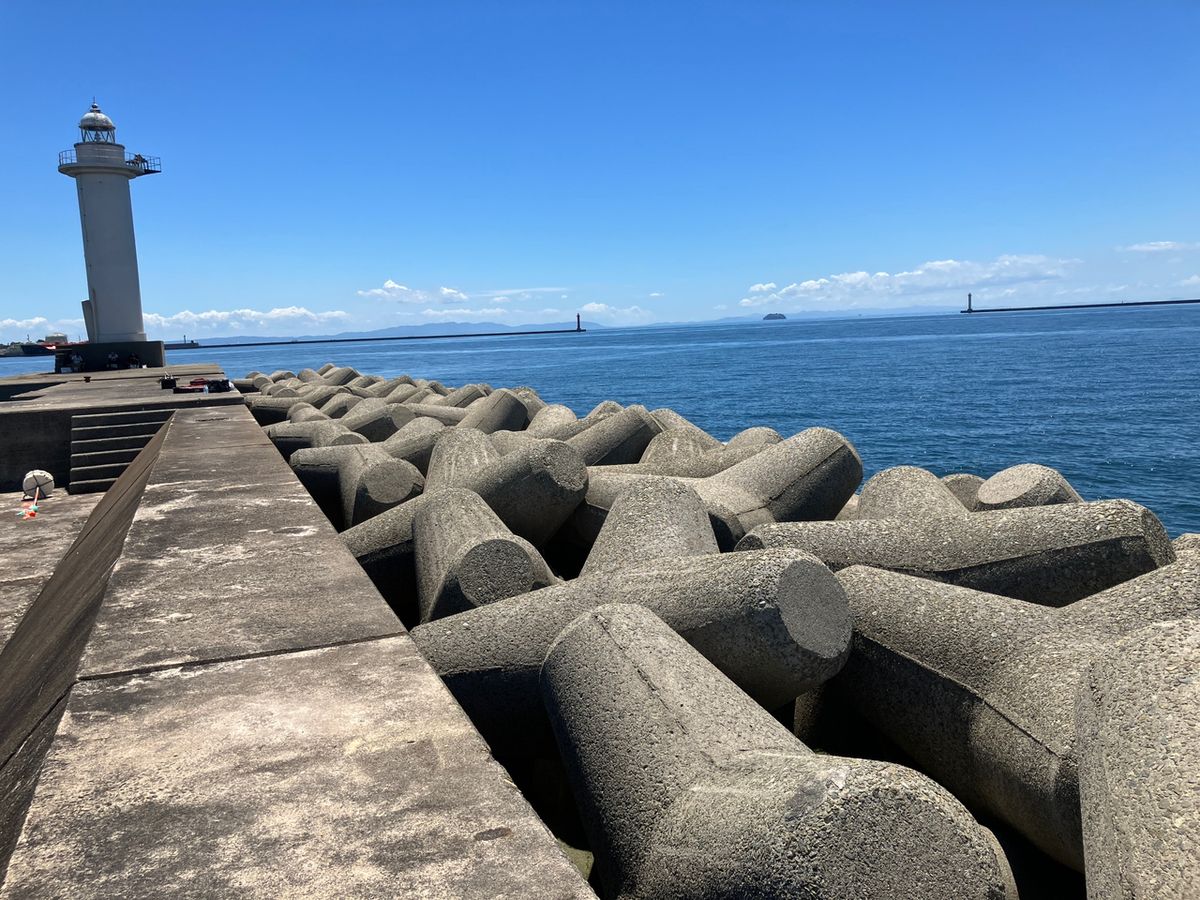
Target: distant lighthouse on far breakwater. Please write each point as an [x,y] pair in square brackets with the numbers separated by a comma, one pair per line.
[102,170]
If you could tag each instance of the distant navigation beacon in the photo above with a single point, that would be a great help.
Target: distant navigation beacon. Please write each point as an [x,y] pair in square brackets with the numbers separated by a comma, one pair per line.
[102,171]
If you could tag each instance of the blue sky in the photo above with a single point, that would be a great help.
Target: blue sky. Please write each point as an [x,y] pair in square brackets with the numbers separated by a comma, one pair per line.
[348,166]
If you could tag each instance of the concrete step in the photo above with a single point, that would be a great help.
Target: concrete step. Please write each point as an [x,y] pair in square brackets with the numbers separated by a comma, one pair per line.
[93,473]
[101,444]
[104,457]
[96,486]
[149,429]
[120,417]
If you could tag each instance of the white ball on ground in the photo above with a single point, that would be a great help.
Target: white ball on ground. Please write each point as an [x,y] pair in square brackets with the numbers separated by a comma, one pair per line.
[38,480]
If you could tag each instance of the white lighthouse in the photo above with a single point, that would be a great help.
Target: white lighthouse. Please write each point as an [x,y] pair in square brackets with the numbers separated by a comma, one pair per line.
[102,171]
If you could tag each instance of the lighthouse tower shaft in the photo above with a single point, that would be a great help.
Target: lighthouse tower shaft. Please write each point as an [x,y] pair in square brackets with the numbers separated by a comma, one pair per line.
[102,171]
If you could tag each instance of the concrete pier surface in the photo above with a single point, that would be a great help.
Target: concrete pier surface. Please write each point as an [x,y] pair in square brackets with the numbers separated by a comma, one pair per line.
[32,548]
[235,710]
[808,687]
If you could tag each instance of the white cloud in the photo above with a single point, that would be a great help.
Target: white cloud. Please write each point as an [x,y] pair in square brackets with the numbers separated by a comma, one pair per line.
[392,290]
[1194,281]
[36,323]
[522,292]
[240,319]
[656,294]
[1158,247]
[402,293]
[629,315]
[37,327]
[934,282]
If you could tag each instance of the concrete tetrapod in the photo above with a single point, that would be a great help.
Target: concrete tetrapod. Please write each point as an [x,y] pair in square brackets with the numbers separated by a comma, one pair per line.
[356,483]
[1025,485]
[288,437]
[653,519]
[305,412]
[506,442]
[688,789]
[381,389]
[907,492]
[533,490]
[318,394]
[965,487]
[462,396]
[401,392]
[808,476]
[598,414]
[979,689]
[1138,720]
[552,421]
[675,445]
[271,410]
[457,453]
[775,622]
[758,436]
[677,453]
[447,415]
[532,400]
[670,420]
[500,409]
[465,557]
[1048,554]
[619,438]
[379,421]
[415,441]
[339,404]
[339,376]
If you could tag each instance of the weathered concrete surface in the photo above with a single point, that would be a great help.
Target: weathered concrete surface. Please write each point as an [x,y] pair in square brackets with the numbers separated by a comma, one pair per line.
[1138,718]
[38,663]
[457,454]
[344,771]
[33,548]
[36,431]
[907,492]
[653,519]
[617,439]
[979,689]
[466,557]
[552,421]
[414,442]
[775,622]
[249,550]
[304,748]
[965,487]
[809,476]
[1050,554]
[689,789]
[1028,484]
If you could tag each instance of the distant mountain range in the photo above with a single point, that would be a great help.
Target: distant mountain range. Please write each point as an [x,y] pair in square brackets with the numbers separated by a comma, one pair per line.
[432,328]
[429,328]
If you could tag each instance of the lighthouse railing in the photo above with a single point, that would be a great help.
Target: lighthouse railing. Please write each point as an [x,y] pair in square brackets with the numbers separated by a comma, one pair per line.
[147,165]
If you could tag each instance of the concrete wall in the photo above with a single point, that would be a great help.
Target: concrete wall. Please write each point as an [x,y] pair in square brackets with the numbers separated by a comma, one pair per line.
[40,660]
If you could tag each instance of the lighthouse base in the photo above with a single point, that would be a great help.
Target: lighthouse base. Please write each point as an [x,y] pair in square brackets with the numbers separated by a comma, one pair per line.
[103,355]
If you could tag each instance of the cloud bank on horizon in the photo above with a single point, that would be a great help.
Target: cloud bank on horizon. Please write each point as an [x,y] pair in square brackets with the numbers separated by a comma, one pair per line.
[1148,270]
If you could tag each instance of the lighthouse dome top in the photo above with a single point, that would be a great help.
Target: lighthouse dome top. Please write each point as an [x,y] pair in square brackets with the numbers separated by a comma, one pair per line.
[95,126]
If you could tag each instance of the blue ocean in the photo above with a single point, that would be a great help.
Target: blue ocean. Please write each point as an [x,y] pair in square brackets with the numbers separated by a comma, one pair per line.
[1109,397]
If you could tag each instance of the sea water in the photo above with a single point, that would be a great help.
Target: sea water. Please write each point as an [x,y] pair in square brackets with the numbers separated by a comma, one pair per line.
[1108,397]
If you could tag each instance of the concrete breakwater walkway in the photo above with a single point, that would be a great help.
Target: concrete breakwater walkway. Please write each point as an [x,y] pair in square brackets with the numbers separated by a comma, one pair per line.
[353,636]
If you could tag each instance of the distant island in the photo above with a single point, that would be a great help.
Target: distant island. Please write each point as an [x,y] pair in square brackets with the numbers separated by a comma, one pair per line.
[770,317]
